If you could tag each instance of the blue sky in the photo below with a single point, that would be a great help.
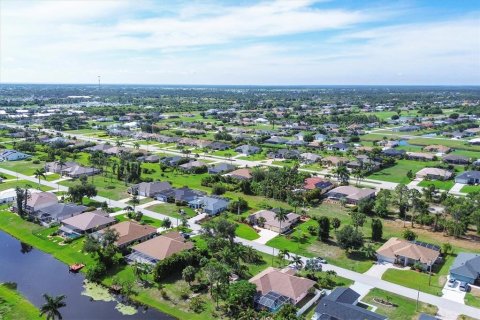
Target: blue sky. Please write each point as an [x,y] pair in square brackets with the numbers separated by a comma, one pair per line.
[243,42]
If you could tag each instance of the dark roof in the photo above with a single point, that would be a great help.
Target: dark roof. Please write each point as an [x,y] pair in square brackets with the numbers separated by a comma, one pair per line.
[338,305]
[425,316]
[61,211]
[221,167]
[393,152]
[469,175]
[466,264]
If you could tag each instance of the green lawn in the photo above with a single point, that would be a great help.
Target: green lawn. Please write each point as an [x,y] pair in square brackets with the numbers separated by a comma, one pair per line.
[52,177]
[246,232]
[398,172]
[456,144]
[419,280]
[225,153]
[470,189]
[13,306]
[145,220]
[472,299]
[171,209]
[255,157]
[405,309]
[22,184]
[114,189]
[442,185]
[23,166]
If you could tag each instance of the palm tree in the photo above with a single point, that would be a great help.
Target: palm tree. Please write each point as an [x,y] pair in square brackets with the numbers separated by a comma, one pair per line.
[298,261]
[415,202]
[51,306]
[342,174]
[136,145]
[281,216]
[283,254]
[39,173]
[369,251]
[118,143]
[61,164]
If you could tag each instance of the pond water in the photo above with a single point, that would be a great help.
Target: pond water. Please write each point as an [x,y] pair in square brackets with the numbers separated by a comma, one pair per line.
[36,273]
[403,143]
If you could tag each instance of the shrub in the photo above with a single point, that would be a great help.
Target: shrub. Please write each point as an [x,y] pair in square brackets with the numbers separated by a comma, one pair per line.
[197,304]
[409,235]
[36,161]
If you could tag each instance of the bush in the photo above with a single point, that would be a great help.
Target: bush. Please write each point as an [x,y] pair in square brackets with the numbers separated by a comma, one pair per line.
[96,272]
[36,161]
[409,235]
[197,304]
[218,189]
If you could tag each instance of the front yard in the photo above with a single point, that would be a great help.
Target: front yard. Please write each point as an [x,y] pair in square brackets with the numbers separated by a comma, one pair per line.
[171,210]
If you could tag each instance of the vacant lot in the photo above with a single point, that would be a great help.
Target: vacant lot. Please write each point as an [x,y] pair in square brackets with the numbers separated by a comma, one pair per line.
[108,188]
[398,172]
[23,167]
[172,210]
[145,220]
[442,185]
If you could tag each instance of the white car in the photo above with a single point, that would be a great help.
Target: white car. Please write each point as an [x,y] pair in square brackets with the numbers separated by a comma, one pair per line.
[452,283]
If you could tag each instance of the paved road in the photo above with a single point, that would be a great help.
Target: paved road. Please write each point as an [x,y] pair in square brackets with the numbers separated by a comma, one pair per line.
[382,284]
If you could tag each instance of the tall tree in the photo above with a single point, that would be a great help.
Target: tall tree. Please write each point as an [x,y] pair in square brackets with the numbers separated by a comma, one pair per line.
[39,173]
[51,307]
[281,216]
[324,228]
[401,200]
[377,230]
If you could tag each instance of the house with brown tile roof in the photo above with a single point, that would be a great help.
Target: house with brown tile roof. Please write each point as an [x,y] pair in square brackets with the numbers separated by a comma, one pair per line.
[351,194]
[437,148]
[86,222]
[406,253]
[267,219]
[159,248]
[242,174]
[282,283]
[130,232]
[434,173]
[38,200]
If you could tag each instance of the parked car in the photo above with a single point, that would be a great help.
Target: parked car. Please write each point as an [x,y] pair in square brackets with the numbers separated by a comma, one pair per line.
[463,286]
[452,283]
[321,259]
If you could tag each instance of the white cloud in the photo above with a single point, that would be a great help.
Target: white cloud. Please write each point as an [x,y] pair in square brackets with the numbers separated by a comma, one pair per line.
[73,41]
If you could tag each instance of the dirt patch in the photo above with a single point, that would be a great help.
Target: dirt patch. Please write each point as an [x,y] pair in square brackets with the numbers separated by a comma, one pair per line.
[437,237]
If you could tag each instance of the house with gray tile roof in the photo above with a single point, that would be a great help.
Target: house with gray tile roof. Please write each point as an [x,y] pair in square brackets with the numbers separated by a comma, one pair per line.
[466,267]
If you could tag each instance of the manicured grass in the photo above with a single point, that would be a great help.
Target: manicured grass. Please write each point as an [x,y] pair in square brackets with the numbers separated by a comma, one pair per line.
[456,144]
[246,232]
[23,166]
[114,189]
[254,157]
[36,236]
[22,184]
[398,172]
[419,280]
[52,177]
[470,189]
[405,309]
[141,201]
[442,185]
[13,306]
[145,220]
[472,299]
[466,153]
[225,153]
[170,209]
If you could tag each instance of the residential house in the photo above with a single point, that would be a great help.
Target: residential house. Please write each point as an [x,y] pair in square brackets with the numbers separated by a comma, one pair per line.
[192,165]
[217,145]
[351,194]
[13,155]
[437,148]
[86,222]
[172,161]
[420,156]
[319,137]
[241,174]
[313,183]
[10,195]
[248,150]
[221,168]
[210,205]
[434,174]
[466,267]
[296,143]
[276,287]
[341,304]
[403,252]
[267,219]
[468,177]
[284,154]
[276,140]
[181,195]
[456,159]
[334,161]
[342,147]
[151,159]
[407,128]
[70,169]
[151,189]
[395,153]
[308,157]
[129,232]
[159,248]
[37,201]
[59,211]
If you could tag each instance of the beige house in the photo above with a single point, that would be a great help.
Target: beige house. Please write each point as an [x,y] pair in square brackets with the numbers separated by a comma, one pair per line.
[434,173]
[351,194]
[86,222]
[269,221]
[282,282]
[130,232]
[406,253]
[159,248]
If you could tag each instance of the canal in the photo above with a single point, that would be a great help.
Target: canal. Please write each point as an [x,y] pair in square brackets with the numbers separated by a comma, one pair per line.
[36,273]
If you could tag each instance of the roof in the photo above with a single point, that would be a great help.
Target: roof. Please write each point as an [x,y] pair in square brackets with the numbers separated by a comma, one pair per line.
[398,247]
[41,198]
[469,175]
[316,182]
[222,167]
[435,172]
[271,220]
[241,173]
[466,264]
[164,246]
[130,231]
[151,188]
[351,192]
[88,220]
[339,305]
[455,157]
[437,147]
[272,279]
[62,210]
[421,155]
[192,164]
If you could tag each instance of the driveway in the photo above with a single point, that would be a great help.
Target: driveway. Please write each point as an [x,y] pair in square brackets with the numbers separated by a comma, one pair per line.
[265,236]
[361,288]
[456,188]
[378,269]
[454,293]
